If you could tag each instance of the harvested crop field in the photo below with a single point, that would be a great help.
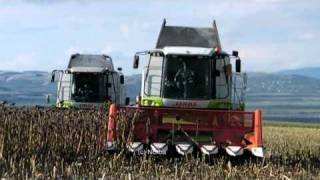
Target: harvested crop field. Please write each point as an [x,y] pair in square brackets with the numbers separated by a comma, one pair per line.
[60,144]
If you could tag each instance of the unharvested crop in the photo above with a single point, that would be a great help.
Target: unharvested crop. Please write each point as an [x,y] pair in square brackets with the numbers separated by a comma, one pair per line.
[56,143]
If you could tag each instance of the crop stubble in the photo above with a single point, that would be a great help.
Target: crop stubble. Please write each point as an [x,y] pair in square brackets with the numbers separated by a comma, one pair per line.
[68,143]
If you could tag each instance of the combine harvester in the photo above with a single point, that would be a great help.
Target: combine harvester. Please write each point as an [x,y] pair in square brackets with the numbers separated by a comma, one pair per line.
[190,99]
[89,82]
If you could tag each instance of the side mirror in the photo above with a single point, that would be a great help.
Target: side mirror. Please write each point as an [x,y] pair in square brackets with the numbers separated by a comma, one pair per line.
[136,62]
[235,53]
[52,77]
[121,79]
[127,101]
[238,65]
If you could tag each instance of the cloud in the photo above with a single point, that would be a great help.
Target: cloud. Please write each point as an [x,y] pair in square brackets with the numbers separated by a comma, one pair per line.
[268,33]
[87,50]
[125,30]
[273,57]
[44,1]
[20,62]
[269,1]
[73,50]
[309,36]
[107,50]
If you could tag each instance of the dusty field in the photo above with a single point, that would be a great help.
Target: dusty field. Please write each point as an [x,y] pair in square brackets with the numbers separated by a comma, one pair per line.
[55,144]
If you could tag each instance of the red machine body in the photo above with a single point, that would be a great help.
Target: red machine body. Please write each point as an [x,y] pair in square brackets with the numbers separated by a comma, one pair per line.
[231,131]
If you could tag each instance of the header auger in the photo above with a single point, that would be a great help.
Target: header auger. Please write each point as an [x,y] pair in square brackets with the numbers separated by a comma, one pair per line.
[190,100]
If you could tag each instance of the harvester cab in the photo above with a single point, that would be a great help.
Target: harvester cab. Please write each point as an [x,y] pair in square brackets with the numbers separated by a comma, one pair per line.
[89,81]
[190,99]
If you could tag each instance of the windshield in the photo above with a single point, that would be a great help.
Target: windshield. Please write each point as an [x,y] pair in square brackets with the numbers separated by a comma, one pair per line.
[88,88]
[186,77]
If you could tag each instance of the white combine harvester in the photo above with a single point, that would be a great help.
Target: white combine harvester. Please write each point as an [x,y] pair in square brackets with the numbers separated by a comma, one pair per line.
[89,81]
[191,99]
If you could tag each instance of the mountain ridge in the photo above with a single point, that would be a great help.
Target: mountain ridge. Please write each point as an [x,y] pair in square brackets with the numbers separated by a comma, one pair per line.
[307,71]
[280,96]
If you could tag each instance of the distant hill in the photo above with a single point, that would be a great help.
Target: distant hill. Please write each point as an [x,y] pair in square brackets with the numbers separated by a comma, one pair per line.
[284,96]
[313,72]
[282,83]
[25,88]
[258,83]
[281,96]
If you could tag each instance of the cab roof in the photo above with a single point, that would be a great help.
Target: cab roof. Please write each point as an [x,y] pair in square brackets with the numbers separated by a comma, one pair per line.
[90,63]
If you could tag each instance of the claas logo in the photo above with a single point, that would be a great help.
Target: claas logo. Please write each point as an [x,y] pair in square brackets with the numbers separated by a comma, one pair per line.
[185,104]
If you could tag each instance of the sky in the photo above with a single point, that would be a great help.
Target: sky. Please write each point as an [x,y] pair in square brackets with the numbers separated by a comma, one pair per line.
[270,35]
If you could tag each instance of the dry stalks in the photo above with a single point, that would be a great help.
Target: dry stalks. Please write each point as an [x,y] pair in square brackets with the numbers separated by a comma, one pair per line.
[55,143]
